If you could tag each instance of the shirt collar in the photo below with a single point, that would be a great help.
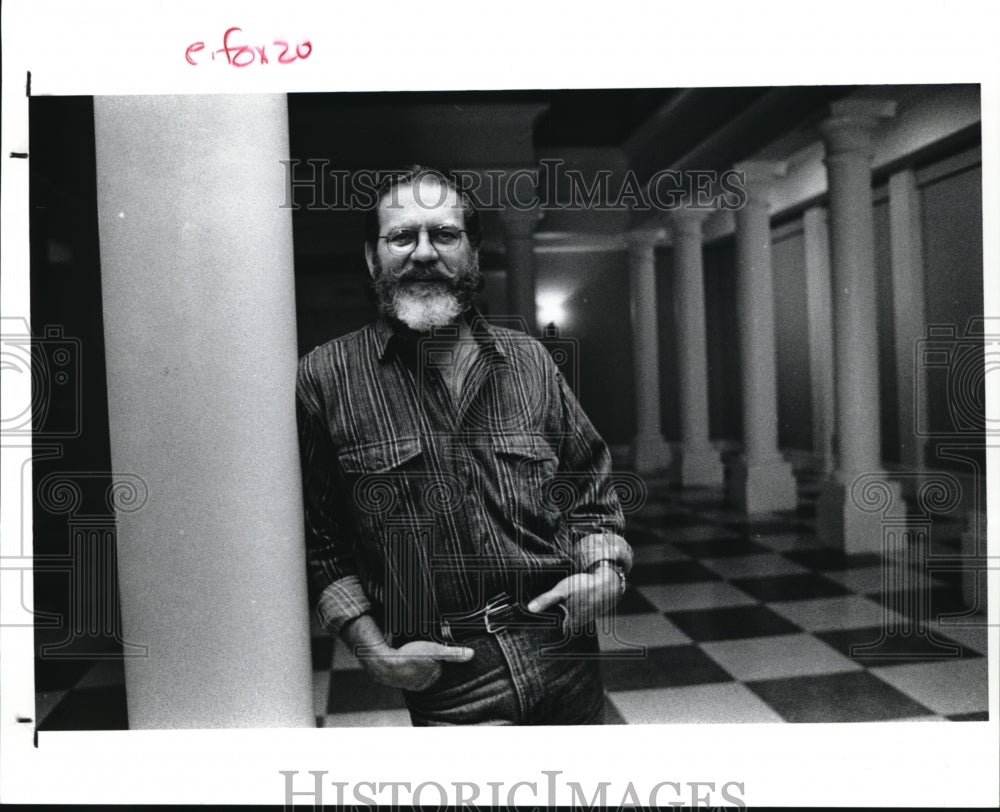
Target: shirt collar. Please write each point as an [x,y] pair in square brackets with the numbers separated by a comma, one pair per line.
[384,333]
[388,334]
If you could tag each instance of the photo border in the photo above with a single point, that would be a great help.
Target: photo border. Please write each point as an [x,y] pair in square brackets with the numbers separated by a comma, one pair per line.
[123,47]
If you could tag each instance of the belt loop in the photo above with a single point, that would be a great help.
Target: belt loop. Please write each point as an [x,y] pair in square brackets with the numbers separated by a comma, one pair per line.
[498,604]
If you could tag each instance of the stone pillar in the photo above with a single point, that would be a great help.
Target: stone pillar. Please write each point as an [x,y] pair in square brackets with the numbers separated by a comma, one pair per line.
[849,147]
[907,254]
[819,302]
[700,462]
[650,451]
[761,480]
[519,238]
[976,562]
[907,621]
[199,321]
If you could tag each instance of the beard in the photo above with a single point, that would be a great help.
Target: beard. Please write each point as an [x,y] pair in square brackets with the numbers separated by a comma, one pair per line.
[423,298]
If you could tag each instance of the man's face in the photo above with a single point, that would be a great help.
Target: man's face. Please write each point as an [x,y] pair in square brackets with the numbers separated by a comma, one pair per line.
[424,286]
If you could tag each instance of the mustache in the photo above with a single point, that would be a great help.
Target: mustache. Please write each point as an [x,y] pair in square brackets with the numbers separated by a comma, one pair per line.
[386,286]
[423,273]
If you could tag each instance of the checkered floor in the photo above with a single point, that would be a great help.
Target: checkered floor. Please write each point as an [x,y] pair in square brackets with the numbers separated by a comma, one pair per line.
[741,623]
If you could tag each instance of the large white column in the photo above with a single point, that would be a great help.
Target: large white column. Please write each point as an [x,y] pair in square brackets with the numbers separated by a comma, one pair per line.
[848,136]
[650,452]
[906,247]
[819,304]
[700,462]
[199,318]
[761,480]
[519,239]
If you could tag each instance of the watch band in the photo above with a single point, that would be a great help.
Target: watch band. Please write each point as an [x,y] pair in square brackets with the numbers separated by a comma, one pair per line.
[618,569]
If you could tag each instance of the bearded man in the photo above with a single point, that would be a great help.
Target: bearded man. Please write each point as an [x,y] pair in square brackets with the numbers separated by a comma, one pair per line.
[432,443]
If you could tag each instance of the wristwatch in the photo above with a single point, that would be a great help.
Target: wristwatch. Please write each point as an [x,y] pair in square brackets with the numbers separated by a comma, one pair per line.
[618,569]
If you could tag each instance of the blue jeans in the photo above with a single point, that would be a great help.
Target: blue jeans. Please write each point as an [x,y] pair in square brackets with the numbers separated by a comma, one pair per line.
[530,676]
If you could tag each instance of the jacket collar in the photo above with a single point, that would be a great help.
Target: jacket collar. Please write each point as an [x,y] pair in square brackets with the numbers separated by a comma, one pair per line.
[390,335]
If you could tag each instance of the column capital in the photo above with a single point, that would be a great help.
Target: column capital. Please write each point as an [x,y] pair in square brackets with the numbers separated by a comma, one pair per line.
[851,124]
[686,221]
[760,177]
[645,238]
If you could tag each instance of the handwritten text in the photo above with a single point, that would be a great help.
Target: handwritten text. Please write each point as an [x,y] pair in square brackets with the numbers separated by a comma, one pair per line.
[237,53]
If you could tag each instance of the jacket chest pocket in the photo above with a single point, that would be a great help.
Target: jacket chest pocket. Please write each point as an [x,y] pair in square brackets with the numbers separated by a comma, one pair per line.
[527,466]
[382,477]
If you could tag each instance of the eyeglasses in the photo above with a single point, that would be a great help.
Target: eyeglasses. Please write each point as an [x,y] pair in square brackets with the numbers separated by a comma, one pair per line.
[403,240]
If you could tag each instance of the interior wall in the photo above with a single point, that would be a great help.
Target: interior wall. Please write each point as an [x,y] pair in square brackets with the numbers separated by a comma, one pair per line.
[952,220]
[791,328]
[598,319]
[889,393]
[65,279]
[332,297]
[725,394]
[670,414]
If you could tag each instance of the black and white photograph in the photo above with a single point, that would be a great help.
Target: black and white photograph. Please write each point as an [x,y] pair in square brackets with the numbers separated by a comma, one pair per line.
[335,410]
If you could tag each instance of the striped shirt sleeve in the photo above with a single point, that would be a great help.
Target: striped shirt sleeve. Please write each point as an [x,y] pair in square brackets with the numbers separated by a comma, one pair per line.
[597,520]
[334,587]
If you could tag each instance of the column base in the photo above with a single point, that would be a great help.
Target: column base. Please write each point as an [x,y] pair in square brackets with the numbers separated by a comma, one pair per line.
[975,570]
[701,467]
[761,487]
[843,525]
[651,454]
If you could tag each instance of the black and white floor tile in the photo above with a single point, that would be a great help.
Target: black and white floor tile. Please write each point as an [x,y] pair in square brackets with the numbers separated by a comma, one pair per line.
[741,622]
